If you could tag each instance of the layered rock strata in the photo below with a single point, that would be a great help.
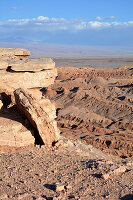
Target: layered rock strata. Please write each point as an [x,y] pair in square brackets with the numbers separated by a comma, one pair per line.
[13,53]
[31,75]
[18,72]
[28,74]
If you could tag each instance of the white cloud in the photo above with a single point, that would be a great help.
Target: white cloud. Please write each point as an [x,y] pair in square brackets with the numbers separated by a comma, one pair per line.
[43,23]
[42,18]
[104,18]
[20,22]
[95,24]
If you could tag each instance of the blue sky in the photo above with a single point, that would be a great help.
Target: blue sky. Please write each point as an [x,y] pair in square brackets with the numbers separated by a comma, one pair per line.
[71,22]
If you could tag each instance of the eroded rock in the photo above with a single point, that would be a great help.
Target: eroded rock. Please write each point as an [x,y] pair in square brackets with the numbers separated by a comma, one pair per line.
[12,53]
[32,65]
[59,187]
[16,71]
[3,64]
[13,130]
[118,170]
[41,119]
[115,171]
[27,79]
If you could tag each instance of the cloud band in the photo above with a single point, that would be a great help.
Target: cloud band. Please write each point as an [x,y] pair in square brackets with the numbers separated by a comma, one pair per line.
[55,24]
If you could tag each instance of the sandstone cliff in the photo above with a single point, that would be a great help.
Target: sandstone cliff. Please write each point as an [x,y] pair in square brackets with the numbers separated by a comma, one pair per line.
[17,71]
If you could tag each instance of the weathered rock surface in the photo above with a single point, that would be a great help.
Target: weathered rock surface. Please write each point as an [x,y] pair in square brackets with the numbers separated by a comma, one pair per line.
[59,187]
[27,79]
[3,65]
[13,130]
[41,119]
[115,171]
[12,53]
[16,71]
[33,65]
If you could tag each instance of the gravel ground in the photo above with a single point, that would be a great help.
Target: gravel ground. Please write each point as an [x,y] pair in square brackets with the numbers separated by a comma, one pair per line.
[31,173]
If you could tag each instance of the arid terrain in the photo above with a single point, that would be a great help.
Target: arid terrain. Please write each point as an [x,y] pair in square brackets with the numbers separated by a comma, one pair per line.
[96,107]
[93,160]
[79,172]
[99,61]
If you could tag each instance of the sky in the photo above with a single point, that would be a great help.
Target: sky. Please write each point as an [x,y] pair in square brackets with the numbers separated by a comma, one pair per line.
[68,22]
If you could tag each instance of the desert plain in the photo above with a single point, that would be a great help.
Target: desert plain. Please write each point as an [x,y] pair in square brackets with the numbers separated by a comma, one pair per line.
[93,159]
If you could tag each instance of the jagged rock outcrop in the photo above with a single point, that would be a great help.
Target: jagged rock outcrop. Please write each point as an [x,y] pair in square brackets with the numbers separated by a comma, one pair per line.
[43,120]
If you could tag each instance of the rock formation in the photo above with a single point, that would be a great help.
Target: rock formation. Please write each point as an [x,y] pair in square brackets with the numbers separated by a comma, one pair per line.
[17,71]
[13,53]
[43,120]
[20,72]
[14,131]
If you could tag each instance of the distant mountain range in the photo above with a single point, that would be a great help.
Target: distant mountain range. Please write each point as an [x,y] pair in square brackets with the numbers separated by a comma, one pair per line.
[40,50]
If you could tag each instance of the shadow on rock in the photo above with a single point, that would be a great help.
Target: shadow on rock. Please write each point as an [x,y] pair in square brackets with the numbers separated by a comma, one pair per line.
[127,197]
[50,186]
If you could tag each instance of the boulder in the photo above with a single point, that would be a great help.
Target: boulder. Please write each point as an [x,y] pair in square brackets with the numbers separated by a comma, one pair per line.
[42,119]
[118,170]
[59,187]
